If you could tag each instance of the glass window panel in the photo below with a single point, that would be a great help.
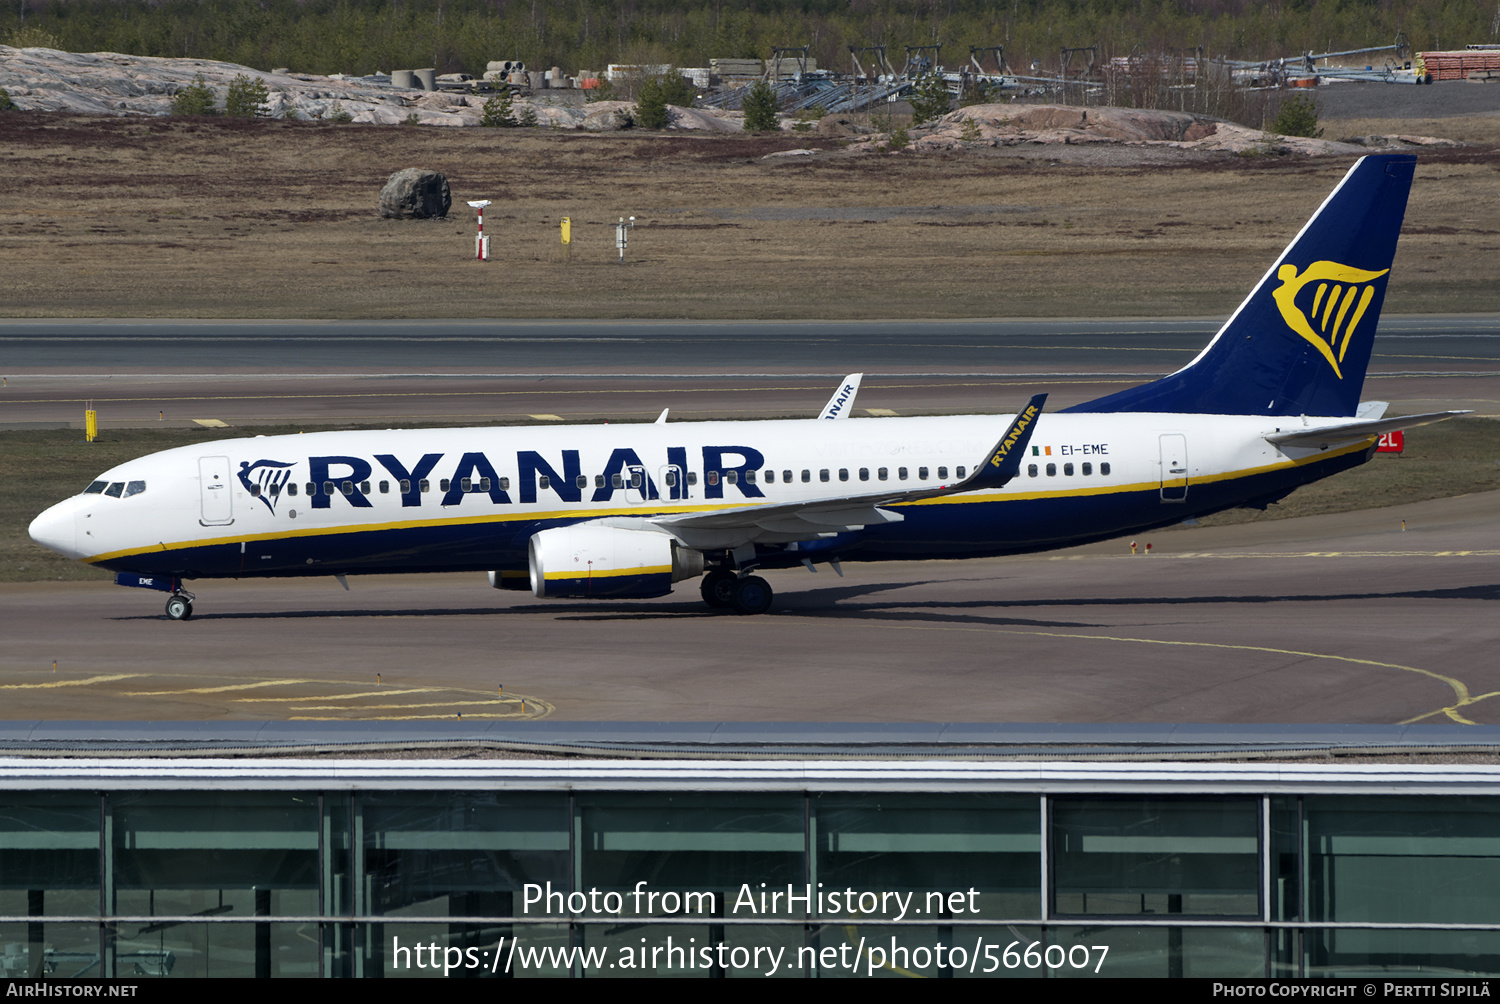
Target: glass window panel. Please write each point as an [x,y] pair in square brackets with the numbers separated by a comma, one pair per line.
[185,852]
[49,854]
[462,853]
[1156,856]
[416,951]
[1395,859]
[197,951]
[1176,952]
[53,951]
[692,843]
[1387,953]
[933,847]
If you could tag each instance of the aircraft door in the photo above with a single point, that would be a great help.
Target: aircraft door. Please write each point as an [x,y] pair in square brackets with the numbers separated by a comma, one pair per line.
[1174,468]
[673,483]
[215,493]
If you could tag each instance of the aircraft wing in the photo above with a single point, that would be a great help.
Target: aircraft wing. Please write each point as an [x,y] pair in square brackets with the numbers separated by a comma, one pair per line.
[1349,432]
[830,515]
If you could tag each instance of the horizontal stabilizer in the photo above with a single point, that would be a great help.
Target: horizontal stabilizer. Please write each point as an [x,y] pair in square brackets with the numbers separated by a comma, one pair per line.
[1332,435]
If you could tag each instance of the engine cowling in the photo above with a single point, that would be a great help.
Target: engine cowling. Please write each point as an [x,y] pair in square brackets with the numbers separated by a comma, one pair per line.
[606,562]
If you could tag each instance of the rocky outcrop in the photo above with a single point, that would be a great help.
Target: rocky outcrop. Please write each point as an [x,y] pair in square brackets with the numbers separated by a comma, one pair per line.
[415,194]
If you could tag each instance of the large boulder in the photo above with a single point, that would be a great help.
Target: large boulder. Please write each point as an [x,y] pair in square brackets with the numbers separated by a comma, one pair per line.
[415,194]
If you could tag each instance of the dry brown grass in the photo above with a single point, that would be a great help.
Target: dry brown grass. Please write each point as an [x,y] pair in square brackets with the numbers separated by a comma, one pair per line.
[190,218]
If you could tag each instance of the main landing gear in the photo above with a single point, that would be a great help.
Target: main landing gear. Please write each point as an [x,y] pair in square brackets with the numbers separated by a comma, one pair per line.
[180,605]
[744,594]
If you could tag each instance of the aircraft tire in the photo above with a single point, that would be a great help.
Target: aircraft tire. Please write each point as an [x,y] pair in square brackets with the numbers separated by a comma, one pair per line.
[718,589]
[179,609]
[752,595]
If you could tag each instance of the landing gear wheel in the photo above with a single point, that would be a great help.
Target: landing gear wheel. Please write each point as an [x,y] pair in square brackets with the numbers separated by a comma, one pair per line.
[179,608]
[718,588]
[751,595]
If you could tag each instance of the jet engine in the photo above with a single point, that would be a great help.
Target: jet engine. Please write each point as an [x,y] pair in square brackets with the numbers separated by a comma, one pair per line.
[605,561]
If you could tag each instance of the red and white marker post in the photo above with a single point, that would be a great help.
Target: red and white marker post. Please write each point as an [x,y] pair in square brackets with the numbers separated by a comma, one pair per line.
[481,242]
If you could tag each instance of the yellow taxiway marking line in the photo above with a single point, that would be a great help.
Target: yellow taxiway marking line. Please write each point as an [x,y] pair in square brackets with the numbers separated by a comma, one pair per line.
[375,707]
[1460,690]
[217,690]
[344,697]
[86,682]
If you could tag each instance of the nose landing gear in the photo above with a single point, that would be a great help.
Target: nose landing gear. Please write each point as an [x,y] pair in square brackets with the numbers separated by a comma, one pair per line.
[180,605]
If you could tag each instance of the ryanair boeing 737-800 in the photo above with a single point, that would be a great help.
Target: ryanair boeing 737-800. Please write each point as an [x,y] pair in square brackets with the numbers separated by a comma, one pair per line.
[613,511]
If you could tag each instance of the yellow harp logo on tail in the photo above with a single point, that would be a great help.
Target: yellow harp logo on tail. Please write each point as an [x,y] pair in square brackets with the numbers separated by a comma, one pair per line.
[1340,296]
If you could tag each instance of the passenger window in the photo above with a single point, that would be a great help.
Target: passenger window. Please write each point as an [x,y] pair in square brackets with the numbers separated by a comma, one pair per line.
[115,489]
[731,477]
[843,474]
[543,481]
[864,474]
[1104,468]
[598,481]
[444,485]
[942,474]
[385,487]
[806,476]
[901,473]
[959,473]
[823,474]
[312,488]
[670,479]
[1068,470]
[770,477]
[328,488]
[484,485]
[134,488]
[467,484]
[275,489]
[405,486]
[582,479]
[347,488]
[96,488]
[692,478]
[921,474]
[1088,469]
[616,481]
[364,487]
[786,477]
[425,486]
[1031,470]
[749,477]
[291,489]
[254,491]
[713,477]
[883,474]
[505,484]
[1051,470]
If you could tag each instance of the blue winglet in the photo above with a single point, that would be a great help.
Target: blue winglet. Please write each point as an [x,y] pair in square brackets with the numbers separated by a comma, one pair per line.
[1004,461]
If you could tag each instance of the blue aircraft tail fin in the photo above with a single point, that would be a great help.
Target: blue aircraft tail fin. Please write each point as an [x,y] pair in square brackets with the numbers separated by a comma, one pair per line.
[1300,343]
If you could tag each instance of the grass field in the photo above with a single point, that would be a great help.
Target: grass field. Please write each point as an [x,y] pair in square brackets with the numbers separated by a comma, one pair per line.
[40,468]
[235,218]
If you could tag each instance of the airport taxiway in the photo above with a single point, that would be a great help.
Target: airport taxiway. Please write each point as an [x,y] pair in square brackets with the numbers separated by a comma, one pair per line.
[1339,618]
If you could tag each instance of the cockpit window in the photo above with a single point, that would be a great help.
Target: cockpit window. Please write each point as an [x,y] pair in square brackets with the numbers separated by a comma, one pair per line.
[114,490]
[134,488]
[96,488]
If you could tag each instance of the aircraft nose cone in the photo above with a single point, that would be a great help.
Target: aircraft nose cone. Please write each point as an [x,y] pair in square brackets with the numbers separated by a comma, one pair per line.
[57,529]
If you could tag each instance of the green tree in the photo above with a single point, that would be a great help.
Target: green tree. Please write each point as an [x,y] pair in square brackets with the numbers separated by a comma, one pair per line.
[760,107]
[499,110]
[6,104]
[1298,116]
[929,99]
[196,98]
[246,98]
[658,92]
